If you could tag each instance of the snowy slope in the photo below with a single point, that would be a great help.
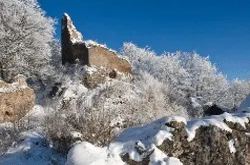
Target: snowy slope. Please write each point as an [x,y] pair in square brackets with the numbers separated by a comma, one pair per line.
[31,150]
[147,138]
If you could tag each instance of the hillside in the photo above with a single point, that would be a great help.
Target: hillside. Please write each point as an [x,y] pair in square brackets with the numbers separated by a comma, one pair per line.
[80,102]
[222,139]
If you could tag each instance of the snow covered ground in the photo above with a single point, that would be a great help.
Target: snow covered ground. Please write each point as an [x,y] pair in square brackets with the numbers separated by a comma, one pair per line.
[32,149]
[148,137]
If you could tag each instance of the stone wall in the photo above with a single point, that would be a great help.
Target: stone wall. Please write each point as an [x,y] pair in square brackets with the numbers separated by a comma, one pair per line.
[16,99]
[90,53]
[101,57]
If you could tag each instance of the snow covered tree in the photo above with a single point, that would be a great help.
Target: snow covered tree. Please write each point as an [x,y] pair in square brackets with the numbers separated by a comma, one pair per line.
[186,74]
[205,81]
[166,68]
[25,38]
[239,90]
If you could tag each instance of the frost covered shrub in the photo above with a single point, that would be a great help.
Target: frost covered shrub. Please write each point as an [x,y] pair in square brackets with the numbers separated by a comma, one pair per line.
[68,125]
[9,135]
[100,114]
[166,68]
[26,35]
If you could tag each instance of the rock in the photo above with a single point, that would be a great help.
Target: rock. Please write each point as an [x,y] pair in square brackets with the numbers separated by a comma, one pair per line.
[214,110]
[175,124]
[56,90]
[16,99]
[90,53]
[211,145]
[93,79]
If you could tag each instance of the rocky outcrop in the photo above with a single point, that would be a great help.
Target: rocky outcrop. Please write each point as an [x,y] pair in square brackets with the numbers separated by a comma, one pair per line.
[16,99]
[90,53]
[217,140]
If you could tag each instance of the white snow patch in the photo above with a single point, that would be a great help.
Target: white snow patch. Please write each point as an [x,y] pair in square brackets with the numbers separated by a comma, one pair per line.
[247,133]
[72,29]
[173,161]
[195,124]
[90,70]
[216,120]
[234,118]
[91,43]
[73,90]
[146,138]
[31,150]
[12,87]
[155,132]
[231,146]
[88,154]
[194,102]
[159,157]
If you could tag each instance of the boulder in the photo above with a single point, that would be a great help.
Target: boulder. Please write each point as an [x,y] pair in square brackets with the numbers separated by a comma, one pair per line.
[90,53]
[214,110]
[16,99]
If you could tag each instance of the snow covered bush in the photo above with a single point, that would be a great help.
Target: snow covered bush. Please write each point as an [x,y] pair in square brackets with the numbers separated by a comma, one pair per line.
[99,114]
[205,81]
[166,68]
[25,38]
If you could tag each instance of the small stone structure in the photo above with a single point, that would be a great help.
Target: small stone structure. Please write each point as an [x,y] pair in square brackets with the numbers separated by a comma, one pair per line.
[16,99]
[90,53]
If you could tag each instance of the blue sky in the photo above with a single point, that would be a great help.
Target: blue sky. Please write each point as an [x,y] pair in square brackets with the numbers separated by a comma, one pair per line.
[218,28]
